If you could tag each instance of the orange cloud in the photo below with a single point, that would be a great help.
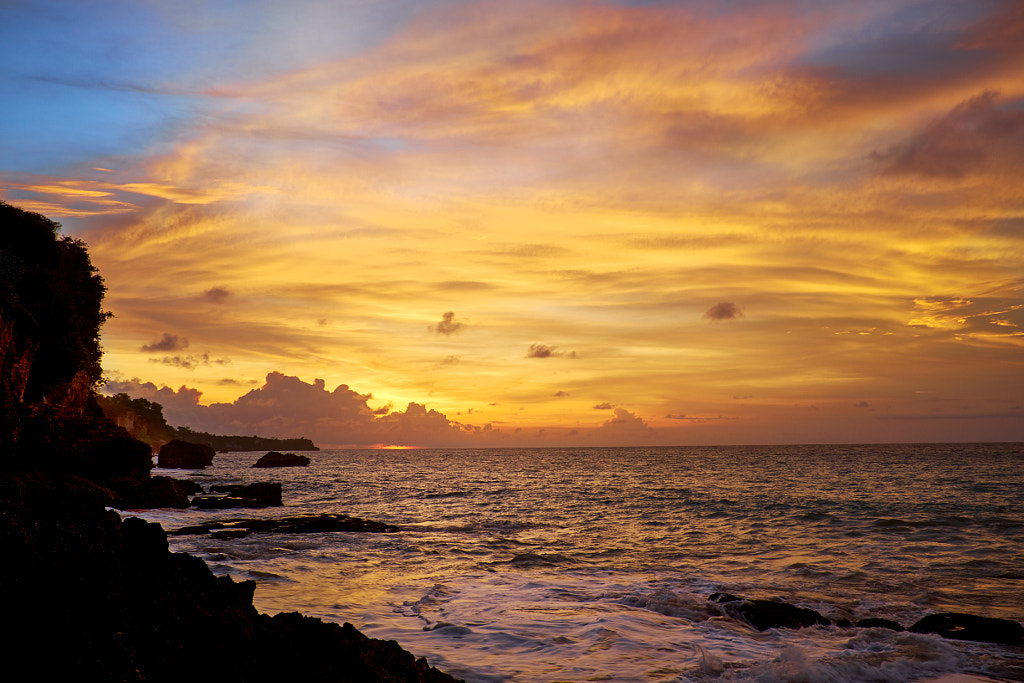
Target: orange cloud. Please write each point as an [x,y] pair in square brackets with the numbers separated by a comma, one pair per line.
[602,176]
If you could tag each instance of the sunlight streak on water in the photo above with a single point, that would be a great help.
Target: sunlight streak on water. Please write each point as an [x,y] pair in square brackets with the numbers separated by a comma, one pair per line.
[571,564]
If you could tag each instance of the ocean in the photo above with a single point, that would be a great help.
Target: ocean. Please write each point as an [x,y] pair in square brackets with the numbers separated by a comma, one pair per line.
[595,564]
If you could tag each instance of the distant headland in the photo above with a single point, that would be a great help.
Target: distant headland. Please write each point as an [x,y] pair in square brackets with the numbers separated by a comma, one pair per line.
[145,421]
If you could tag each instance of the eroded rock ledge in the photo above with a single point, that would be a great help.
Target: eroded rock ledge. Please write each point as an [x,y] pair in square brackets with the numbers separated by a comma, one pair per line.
[301,524]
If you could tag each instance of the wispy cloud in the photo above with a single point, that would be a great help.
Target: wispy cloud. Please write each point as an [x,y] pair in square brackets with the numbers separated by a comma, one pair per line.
[623,185]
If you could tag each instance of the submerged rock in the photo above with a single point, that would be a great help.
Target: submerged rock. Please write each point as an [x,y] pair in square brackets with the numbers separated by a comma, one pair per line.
[275,459]
[766,614]
[302,524]
[875,622]
[177,454]
[970,627]
[258,495]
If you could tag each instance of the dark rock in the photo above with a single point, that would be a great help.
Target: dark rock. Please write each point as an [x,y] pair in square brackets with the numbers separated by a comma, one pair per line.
[127,609]
[229,534]
[340,653]
[875,622]
[177,454]
[218,502]
[258,495]
[82,444]
[970,627]
[154,492]
[275,459]
[303,524]
[766,614]
[844,623]
[188,486]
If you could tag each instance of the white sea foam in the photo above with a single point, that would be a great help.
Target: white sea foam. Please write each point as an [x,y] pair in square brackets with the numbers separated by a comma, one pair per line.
[595,565]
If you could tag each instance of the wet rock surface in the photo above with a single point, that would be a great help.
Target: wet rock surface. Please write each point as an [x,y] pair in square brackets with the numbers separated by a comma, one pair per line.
[302,524]
[765,614]
[876,622]
[124,608]
[257,495]
[177,454]
[960,626]
[275,459]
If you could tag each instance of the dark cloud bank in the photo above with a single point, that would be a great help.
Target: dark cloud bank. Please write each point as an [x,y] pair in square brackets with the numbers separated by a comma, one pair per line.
[167,342]
[725,310]
[448,325]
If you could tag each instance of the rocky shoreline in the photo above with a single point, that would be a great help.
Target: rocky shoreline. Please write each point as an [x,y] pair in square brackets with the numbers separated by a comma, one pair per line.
[94,593]
[89,595]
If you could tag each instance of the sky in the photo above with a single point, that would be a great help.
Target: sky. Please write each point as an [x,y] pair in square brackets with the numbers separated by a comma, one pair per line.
[540,223]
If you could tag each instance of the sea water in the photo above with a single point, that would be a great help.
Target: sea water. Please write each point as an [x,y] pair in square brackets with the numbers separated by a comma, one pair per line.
[589,564]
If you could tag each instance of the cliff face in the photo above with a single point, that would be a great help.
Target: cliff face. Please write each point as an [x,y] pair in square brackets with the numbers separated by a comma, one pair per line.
[50,316]
[141,418]
[92,592]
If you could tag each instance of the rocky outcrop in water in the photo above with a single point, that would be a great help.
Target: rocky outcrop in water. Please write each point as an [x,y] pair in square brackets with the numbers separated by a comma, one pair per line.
[969,627]
[302,524]
[275,459]
[178,454]
[257,495]
[876,622]
[766,614]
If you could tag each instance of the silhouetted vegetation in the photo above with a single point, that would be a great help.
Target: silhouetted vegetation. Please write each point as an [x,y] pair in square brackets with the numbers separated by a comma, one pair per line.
[245,443]
[143,419]
[51,299]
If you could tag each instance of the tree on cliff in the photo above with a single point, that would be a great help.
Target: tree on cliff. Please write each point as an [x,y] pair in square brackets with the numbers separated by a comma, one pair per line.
[143,419]
[50,306]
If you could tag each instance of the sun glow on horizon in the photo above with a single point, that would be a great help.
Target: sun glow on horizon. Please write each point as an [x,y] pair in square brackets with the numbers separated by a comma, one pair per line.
[585,223]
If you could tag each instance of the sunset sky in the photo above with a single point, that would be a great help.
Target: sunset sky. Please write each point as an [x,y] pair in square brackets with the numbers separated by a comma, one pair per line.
[540,223]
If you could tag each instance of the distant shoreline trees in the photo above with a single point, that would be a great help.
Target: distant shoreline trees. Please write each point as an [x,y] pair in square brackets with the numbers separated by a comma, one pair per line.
[145,421]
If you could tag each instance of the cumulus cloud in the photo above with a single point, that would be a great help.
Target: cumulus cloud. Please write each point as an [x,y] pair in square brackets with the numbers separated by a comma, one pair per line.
[625,429]
[545,351]
[965,140]
[448,325]
[540,351]
[285,406]
[217,295]
[724,310]
[603,406]
[168,342]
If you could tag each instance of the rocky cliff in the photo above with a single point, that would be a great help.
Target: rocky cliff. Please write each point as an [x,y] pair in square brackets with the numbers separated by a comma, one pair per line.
[87,593]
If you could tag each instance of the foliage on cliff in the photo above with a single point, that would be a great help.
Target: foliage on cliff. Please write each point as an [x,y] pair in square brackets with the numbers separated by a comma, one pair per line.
[143,419]
[51,298]
[50,316]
